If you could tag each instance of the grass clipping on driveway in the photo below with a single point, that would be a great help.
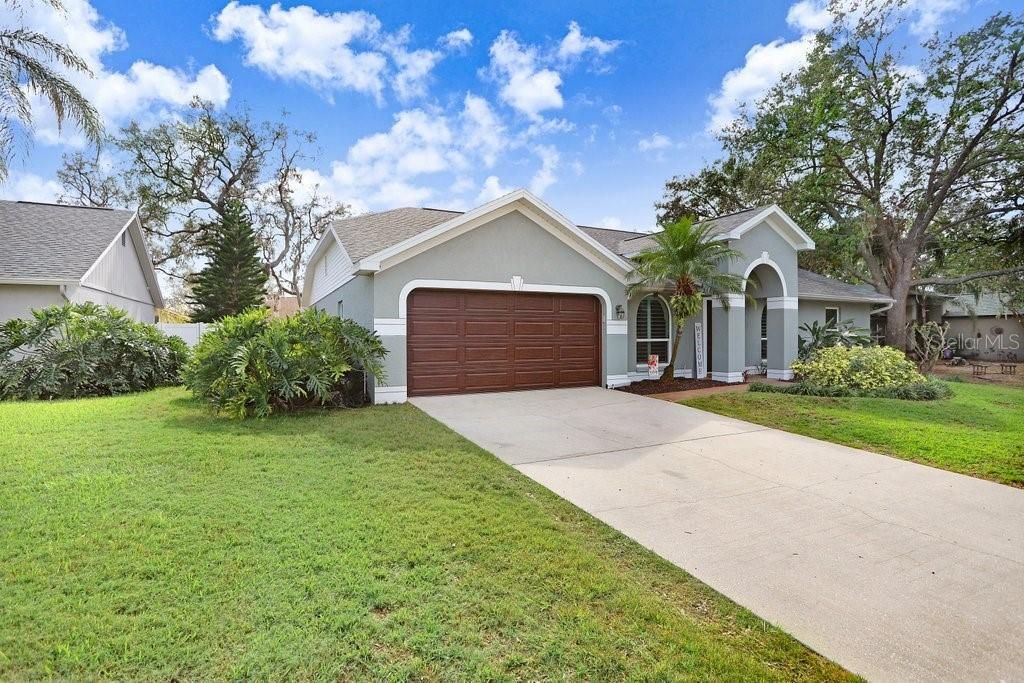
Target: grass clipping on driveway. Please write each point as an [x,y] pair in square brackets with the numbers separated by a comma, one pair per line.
[142,538]
[979,431]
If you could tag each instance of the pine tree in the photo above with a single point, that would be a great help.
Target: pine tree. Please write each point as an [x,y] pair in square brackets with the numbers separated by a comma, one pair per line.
[234,278]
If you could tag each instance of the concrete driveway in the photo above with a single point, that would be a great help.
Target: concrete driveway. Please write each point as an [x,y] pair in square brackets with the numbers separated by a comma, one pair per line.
[895,570]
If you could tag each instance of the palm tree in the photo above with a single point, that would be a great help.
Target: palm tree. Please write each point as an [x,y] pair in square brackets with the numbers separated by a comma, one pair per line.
[32,64]
[688,258]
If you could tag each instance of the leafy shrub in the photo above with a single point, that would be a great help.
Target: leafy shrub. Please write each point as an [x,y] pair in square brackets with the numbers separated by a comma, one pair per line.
[815,336]
[84,350]
[928,390]
[253,365]
[858,367]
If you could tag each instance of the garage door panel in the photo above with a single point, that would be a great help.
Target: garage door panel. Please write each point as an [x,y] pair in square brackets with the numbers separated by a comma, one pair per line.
[446,383]
[437,299]
[486,381]
[580,377]
[434,328]
[475,354]
[464,341]
[487,328]
[483,302]
[435,354]
[544,328]
[535,353]
[576,353]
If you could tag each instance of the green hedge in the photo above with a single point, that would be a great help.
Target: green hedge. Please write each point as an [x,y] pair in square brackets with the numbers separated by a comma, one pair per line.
[927,390]
[255,365]
[79,350]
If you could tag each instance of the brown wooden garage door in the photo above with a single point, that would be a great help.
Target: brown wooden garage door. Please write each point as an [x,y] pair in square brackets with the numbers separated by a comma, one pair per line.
[463,341]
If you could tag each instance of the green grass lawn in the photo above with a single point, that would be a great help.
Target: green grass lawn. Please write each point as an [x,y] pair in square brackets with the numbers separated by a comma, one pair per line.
[142,538]
[979,431]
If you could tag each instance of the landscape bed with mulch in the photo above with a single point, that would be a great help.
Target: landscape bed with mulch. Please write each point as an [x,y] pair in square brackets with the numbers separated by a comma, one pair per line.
[660,386]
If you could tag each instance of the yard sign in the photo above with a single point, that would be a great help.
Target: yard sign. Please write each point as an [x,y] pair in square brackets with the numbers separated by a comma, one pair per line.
[701,370]
[652,365]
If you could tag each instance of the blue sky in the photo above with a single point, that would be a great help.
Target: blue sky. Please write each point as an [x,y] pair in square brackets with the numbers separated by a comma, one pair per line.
[447,104]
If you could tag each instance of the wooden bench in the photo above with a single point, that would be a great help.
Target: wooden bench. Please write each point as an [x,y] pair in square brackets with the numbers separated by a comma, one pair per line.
[1008,368]
[979,369]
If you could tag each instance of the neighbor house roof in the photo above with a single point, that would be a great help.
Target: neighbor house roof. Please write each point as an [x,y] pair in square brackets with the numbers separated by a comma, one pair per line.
[814,286]
[988,304]
[59,243]
[54,242]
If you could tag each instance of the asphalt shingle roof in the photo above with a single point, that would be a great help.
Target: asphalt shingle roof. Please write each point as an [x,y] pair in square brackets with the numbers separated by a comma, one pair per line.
[718,226]
[988,304]
[53,241]
[367,234]
[814,286]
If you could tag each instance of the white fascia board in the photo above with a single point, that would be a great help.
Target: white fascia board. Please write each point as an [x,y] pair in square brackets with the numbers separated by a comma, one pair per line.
[851,299]
[520,199]
[796,237]
[307,282]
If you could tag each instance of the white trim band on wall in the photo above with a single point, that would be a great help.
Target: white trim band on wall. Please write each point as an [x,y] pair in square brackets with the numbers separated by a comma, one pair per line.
[389,327]
[618,327]
[612,381]
[731,377]
[785,302]
[396,394]
[780,374]
[735,300]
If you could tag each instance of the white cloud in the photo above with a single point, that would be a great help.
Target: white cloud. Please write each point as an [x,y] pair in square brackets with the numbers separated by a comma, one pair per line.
[492,189]
[612,222]
[657,141]
[397,166]
[765,64]
[333,51]
[575,45]
[808,15]
[302,44]
[763,67]
[531,78]
[577,167]
[545,176]
[527,87]
[30,187]
[456,40]
[144,91]
[482,129]
[931,14]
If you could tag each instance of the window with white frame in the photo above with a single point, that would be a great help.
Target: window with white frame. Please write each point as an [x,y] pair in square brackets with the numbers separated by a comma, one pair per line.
[652,329]
[831,317]
[764,334]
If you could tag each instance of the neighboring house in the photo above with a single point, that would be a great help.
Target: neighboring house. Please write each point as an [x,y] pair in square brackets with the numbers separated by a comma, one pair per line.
[985,327]
[51,254]
[281,306]
[512,295]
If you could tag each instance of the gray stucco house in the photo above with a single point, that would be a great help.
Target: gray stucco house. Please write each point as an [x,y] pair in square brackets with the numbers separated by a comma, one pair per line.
[51,254]
[513,295]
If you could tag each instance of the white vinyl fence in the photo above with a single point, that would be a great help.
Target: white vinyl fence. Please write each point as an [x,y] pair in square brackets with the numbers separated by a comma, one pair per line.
[190,332]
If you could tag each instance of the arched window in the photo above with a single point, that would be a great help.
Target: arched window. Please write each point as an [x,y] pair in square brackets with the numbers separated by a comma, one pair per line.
[764,334]
[652,330]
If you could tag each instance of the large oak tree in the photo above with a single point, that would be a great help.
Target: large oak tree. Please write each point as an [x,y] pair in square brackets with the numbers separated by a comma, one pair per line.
[182,175]
[907,176]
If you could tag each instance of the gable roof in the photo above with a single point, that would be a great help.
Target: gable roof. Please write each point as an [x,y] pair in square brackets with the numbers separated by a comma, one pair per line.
[59,243]
[55,242]
[986,305]
[815,286]
[375,241]
[732,227]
